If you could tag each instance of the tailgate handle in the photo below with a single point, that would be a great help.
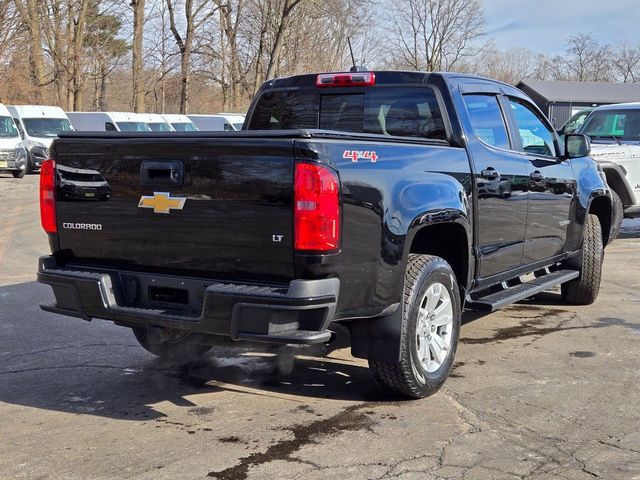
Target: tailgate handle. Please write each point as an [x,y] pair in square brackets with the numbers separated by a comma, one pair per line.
[168,173]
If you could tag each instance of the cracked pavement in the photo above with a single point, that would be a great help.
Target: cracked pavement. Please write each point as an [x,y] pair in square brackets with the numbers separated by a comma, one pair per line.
[540,391]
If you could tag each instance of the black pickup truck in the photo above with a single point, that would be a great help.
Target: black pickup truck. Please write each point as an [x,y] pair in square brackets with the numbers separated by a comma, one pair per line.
[385,201]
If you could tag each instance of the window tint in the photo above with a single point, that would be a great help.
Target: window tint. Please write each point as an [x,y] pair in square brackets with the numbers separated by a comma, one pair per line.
[407,112]
[621,124]
[536,136]
[278,110]
[486,120]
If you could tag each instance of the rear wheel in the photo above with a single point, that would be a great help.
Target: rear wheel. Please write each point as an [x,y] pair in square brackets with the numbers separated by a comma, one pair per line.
[171,349]
[430,330]
[584,289]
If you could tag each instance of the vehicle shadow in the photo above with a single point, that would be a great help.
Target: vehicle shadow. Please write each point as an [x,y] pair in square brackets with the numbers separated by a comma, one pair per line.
[630,228]
[63,364]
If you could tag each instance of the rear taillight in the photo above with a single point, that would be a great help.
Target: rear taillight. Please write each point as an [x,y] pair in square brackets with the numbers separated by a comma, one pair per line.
[354,79]
[48,196]
[316,208]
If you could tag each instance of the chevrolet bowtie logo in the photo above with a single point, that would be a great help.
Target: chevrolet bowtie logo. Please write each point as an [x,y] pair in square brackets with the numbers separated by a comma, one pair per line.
[162,202]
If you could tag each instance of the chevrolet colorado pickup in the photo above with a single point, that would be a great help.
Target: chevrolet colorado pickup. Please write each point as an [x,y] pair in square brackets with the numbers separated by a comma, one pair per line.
[387,202]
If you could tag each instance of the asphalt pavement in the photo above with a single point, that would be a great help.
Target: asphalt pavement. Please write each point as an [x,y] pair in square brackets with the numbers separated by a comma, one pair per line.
[540,390]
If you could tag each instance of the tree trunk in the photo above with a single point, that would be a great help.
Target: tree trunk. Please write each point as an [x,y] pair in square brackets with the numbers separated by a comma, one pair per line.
[138,33]
[30,13]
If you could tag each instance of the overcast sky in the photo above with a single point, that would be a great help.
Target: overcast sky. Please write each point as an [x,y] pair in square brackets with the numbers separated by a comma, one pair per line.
[544,25]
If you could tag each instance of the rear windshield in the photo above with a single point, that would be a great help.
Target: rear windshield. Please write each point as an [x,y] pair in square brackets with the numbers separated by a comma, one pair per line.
[405,112]
[613,124]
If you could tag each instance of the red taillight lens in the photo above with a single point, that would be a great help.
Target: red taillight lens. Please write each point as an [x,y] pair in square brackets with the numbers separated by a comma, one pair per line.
[316,208]
[48,196]
[355,79]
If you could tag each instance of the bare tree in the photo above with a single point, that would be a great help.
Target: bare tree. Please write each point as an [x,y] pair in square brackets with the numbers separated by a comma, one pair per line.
[32,16]
[137,54]
[587,59]
[435,34]
[626,62]
[196,13]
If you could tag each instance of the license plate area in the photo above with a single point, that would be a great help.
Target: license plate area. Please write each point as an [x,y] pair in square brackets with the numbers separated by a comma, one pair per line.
[160,291]
[4,164]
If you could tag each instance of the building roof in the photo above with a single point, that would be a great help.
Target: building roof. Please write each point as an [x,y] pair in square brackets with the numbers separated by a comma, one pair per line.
[582,92]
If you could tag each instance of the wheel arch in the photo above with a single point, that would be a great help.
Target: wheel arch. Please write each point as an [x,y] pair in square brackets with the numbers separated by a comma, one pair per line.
[601,207]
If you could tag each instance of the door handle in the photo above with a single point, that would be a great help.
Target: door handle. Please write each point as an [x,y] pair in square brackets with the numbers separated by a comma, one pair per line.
[156,173]
[537,176]
[490,173]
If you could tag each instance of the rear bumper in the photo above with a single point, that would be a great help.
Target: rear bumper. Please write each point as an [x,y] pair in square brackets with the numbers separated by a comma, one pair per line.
[299,312]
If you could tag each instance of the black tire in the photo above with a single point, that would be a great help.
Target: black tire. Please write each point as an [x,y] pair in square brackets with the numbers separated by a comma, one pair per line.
[29,167]
[18,174]
[584,289]
[618,215]
[171,350]
[408,377]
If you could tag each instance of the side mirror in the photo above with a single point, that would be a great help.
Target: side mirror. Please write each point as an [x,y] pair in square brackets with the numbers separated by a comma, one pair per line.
[576,146]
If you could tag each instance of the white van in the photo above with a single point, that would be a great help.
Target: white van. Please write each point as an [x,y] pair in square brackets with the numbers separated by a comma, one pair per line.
[157,123]
[13,156]
[108,122]
[228,122]
[180,123]
[38,125]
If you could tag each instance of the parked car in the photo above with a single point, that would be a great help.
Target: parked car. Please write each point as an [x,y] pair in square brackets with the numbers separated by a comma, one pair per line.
[575,122]
[615,137]
[227,122]
[108,122]
[38,125]
[157,123]
[180,123]
[13,156]
[347,198]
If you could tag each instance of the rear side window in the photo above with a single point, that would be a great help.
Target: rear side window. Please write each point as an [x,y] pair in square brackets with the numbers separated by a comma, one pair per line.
[405,112]
[487,120]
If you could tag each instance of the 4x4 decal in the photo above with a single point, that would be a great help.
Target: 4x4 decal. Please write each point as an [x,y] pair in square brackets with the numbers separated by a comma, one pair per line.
[356,155]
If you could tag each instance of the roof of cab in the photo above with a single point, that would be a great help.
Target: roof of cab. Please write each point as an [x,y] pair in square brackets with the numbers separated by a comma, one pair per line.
[34,111]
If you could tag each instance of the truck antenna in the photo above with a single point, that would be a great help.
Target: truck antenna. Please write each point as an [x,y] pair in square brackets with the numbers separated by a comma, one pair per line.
[354,67]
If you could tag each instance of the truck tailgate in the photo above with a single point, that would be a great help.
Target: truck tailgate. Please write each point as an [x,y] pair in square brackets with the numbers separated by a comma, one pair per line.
[215,206]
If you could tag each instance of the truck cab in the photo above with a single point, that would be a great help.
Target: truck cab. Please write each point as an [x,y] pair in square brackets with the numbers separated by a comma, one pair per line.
[38,125]
[13,156]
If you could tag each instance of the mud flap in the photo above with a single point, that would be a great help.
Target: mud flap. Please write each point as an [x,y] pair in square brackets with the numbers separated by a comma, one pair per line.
[377,338]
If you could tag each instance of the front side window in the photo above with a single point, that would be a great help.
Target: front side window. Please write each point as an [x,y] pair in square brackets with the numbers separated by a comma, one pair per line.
[159,127]
[46,127]
[613,124]
[7,128]
[184,127]
[133,127]
[536,137]
[487,120]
